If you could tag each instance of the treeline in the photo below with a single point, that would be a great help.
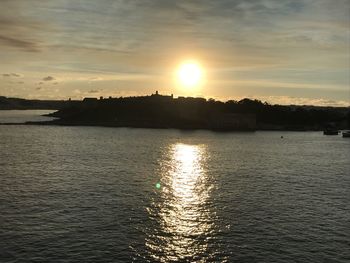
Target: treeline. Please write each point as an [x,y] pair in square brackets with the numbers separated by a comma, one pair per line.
[310,117]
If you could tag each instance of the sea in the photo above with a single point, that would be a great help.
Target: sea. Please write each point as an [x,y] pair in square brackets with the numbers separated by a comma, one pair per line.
[98,194]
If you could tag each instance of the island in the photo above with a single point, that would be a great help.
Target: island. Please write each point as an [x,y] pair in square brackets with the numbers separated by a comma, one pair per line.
[166,111]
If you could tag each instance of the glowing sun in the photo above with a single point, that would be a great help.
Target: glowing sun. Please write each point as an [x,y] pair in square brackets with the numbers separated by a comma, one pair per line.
[189,74]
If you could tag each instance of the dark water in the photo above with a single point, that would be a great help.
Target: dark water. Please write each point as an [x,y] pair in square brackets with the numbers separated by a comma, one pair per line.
[90,194]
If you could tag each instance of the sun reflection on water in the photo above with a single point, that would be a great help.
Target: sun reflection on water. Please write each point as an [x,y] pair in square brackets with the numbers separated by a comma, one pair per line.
[182,213]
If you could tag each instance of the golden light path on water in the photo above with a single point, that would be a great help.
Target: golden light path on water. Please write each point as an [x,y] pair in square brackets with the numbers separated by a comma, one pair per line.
[184,218]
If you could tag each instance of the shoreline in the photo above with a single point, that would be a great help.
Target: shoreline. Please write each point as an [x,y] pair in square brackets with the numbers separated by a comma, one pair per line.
[53,123]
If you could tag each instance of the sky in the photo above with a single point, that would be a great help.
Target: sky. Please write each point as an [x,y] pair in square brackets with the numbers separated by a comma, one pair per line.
[279,51]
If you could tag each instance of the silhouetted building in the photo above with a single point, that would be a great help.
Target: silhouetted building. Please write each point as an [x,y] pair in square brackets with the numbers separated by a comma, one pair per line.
[159,97]
[90,102]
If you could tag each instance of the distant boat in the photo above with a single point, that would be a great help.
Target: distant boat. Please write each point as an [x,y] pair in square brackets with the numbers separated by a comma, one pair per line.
[330,132]
[346,134]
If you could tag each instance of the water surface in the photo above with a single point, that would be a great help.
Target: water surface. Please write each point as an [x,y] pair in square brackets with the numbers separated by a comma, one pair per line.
[94,194]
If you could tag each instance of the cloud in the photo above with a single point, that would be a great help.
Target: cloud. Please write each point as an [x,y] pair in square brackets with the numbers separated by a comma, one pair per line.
[93,91]
[19,29]
[9,75]
[19,43]
[48,78]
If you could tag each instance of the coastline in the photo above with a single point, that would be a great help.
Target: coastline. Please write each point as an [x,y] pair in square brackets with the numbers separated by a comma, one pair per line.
[162,127]
[187,113]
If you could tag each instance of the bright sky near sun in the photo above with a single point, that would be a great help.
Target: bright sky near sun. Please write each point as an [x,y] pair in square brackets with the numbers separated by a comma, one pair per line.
[190,75]
[282,51]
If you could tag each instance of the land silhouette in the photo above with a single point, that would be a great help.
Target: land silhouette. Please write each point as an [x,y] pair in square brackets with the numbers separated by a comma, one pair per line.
[163,111]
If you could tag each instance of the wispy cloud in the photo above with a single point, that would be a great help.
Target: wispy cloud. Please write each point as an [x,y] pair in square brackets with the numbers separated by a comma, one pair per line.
[19,43]
[12,75]
[94,91]
[48,78]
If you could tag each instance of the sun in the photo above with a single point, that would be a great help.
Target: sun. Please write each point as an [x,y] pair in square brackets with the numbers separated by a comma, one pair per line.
[190,74]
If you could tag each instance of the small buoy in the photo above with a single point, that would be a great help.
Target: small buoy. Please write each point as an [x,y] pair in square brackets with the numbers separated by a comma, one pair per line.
[281,137]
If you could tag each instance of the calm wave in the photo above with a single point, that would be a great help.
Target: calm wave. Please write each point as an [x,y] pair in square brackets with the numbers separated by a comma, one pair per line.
[93,194]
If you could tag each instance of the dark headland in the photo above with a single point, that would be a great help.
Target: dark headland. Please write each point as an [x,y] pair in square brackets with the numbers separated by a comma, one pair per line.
[161,111]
